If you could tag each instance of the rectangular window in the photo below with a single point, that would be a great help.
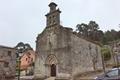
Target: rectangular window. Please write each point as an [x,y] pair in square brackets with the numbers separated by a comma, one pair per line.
[9,53]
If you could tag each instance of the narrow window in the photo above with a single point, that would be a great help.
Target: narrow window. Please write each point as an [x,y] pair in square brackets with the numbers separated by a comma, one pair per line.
[31,59]
[53,16]
[9,53]
[49,18]
[26,59]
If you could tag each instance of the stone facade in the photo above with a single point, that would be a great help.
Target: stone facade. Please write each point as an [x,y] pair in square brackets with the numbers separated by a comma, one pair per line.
[62,53]
[7,61]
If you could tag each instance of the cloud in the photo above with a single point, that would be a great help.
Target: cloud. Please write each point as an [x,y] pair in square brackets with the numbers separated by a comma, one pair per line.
[22,20]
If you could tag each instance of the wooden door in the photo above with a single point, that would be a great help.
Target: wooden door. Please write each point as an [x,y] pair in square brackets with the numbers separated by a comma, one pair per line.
[53,70]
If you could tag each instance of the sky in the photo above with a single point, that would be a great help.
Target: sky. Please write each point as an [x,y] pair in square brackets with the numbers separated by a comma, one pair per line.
[23,20]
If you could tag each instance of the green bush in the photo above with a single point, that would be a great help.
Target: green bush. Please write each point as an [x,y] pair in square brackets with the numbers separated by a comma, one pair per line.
[106,53]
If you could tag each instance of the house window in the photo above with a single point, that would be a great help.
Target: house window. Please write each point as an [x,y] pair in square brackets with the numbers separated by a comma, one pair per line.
[26,59]
[29,53]
[9,53]
[6,64]
[31,59]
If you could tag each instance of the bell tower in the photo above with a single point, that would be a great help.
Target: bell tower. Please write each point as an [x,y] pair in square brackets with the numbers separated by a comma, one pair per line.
[53,17]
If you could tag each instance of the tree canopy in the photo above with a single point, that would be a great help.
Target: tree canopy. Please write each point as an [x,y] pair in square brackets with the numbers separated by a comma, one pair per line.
[92,32]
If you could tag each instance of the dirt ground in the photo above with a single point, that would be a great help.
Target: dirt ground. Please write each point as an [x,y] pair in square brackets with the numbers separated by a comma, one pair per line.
[90,75]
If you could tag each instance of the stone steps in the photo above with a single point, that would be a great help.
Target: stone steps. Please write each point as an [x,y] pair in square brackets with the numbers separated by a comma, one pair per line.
[54,78]
[51,78]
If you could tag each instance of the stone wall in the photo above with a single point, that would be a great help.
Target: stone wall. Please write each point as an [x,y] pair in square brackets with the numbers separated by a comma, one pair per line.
[83,54]
[8,58]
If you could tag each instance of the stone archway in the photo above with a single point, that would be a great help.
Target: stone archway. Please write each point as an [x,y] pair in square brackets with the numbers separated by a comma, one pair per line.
[52,62]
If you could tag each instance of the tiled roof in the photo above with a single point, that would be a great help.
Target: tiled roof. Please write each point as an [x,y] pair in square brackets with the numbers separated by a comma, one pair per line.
[2,46]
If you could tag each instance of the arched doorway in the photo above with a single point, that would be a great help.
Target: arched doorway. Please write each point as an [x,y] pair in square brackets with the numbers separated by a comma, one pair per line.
[53,70]
[51,65]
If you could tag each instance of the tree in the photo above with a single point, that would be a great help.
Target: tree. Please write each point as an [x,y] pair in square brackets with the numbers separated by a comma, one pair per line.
[90,30]
[82,29]
[100,35]
[118,34]
[93,30]
[114,34]
[110,35]
[28,47]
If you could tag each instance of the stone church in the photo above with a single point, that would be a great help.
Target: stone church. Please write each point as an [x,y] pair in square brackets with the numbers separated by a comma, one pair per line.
[60,52]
